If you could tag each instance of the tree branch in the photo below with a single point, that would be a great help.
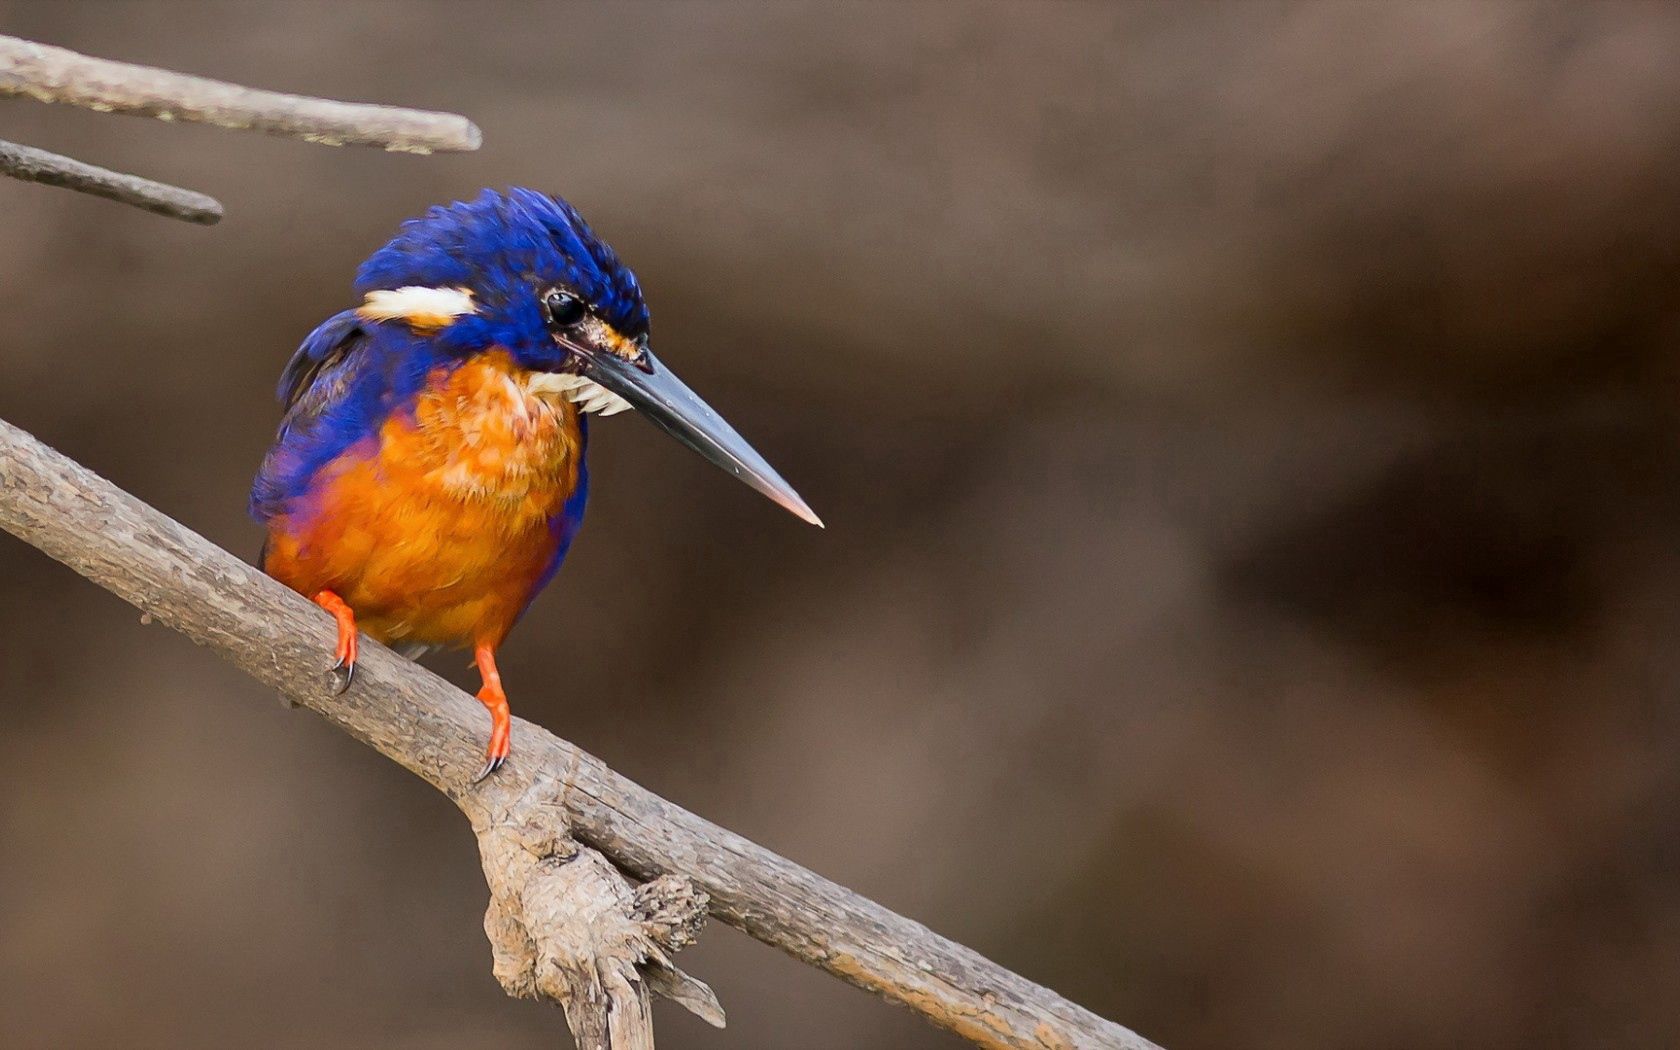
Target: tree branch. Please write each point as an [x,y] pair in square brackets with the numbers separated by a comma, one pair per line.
[54,74]
[527,814]
[51,169]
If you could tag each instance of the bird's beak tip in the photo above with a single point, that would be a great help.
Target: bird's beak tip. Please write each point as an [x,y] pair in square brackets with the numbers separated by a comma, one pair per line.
[791,503]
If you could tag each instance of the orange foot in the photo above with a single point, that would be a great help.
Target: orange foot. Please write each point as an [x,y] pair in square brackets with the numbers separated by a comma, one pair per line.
[345,669]
[492,697]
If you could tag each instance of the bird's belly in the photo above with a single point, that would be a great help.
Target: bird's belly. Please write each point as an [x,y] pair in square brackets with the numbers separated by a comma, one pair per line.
[425,570]
[439,529]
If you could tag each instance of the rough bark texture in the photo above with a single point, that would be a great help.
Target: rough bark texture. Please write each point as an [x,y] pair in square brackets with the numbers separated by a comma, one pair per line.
[53,74]
[525,814]
[51,169]
[565,925]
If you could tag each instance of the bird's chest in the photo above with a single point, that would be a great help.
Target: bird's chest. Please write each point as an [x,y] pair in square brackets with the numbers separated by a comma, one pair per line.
[479,439]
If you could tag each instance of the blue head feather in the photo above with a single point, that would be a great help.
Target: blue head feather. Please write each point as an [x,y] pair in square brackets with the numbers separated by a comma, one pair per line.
[507,248]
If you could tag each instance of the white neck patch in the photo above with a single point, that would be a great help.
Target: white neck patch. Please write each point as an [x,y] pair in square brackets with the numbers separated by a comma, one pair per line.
[586,394]
[421,307]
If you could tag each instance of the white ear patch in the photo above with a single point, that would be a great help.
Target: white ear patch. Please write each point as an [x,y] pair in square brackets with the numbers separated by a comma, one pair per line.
[586,394]
[421,307]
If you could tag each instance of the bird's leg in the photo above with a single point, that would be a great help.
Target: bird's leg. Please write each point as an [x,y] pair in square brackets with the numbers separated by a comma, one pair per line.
[492,697]
[345,669]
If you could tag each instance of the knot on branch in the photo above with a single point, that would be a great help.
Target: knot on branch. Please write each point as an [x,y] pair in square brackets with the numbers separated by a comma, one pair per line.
[566,925]
[672,910]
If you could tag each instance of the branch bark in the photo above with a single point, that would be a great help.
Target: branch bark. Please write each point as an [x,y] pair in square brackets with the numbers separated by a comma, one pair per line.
[54,74]
[51,169]
[529,813]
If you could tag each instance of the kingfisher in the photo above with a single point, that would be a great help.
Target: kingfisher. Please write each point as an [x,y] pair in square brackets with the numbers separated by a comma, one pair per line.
[429,472]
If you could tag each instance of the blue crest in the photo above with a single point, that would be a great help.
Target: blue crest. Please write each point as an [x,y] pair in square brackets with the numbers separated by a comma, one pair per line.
[506,247]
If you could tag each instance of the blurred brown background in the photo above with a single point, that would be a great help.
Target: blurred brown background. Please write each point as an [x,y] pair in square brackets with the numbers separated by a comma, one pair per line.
[1247,435]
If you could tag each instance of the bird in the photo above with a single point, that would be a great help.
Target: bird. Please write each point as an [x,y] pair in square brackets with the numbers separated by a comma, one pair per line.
[429,472]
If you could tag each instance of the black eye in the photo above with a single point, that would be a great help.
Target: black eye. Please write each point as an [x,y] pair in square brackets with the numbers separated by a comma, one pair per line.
[563,308]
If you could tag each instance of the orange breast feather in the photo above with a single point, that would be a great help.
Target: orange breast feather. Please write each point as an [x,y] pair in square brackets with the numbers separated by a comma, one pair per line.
[438,529]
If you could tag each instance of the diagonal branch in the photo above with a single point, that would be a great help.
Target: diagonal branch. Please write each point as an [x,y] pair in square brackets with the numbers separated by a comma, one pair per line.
[54,74]
[549,792]
[51,169]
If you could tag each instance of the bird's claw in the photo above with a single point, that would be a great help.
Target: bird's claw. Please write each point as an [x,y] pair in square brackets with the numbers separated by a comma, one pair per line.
[491,764]
[501,727]
[343,673]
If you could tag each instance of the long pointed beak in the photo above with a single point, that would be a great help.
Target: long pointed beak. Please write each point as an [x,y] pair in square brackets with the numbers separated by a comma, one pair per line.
[670,405]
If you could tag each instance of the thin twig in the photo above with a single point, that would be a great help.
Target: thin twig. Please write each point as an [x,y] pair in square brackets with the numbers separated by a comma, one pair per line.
[431,728]
[51,169]
[54,74]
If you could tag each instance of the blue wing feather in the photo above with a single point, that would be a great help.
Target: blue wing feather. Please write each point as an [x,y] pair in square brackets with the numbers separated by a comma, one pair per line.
[340,386]
[329,340]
